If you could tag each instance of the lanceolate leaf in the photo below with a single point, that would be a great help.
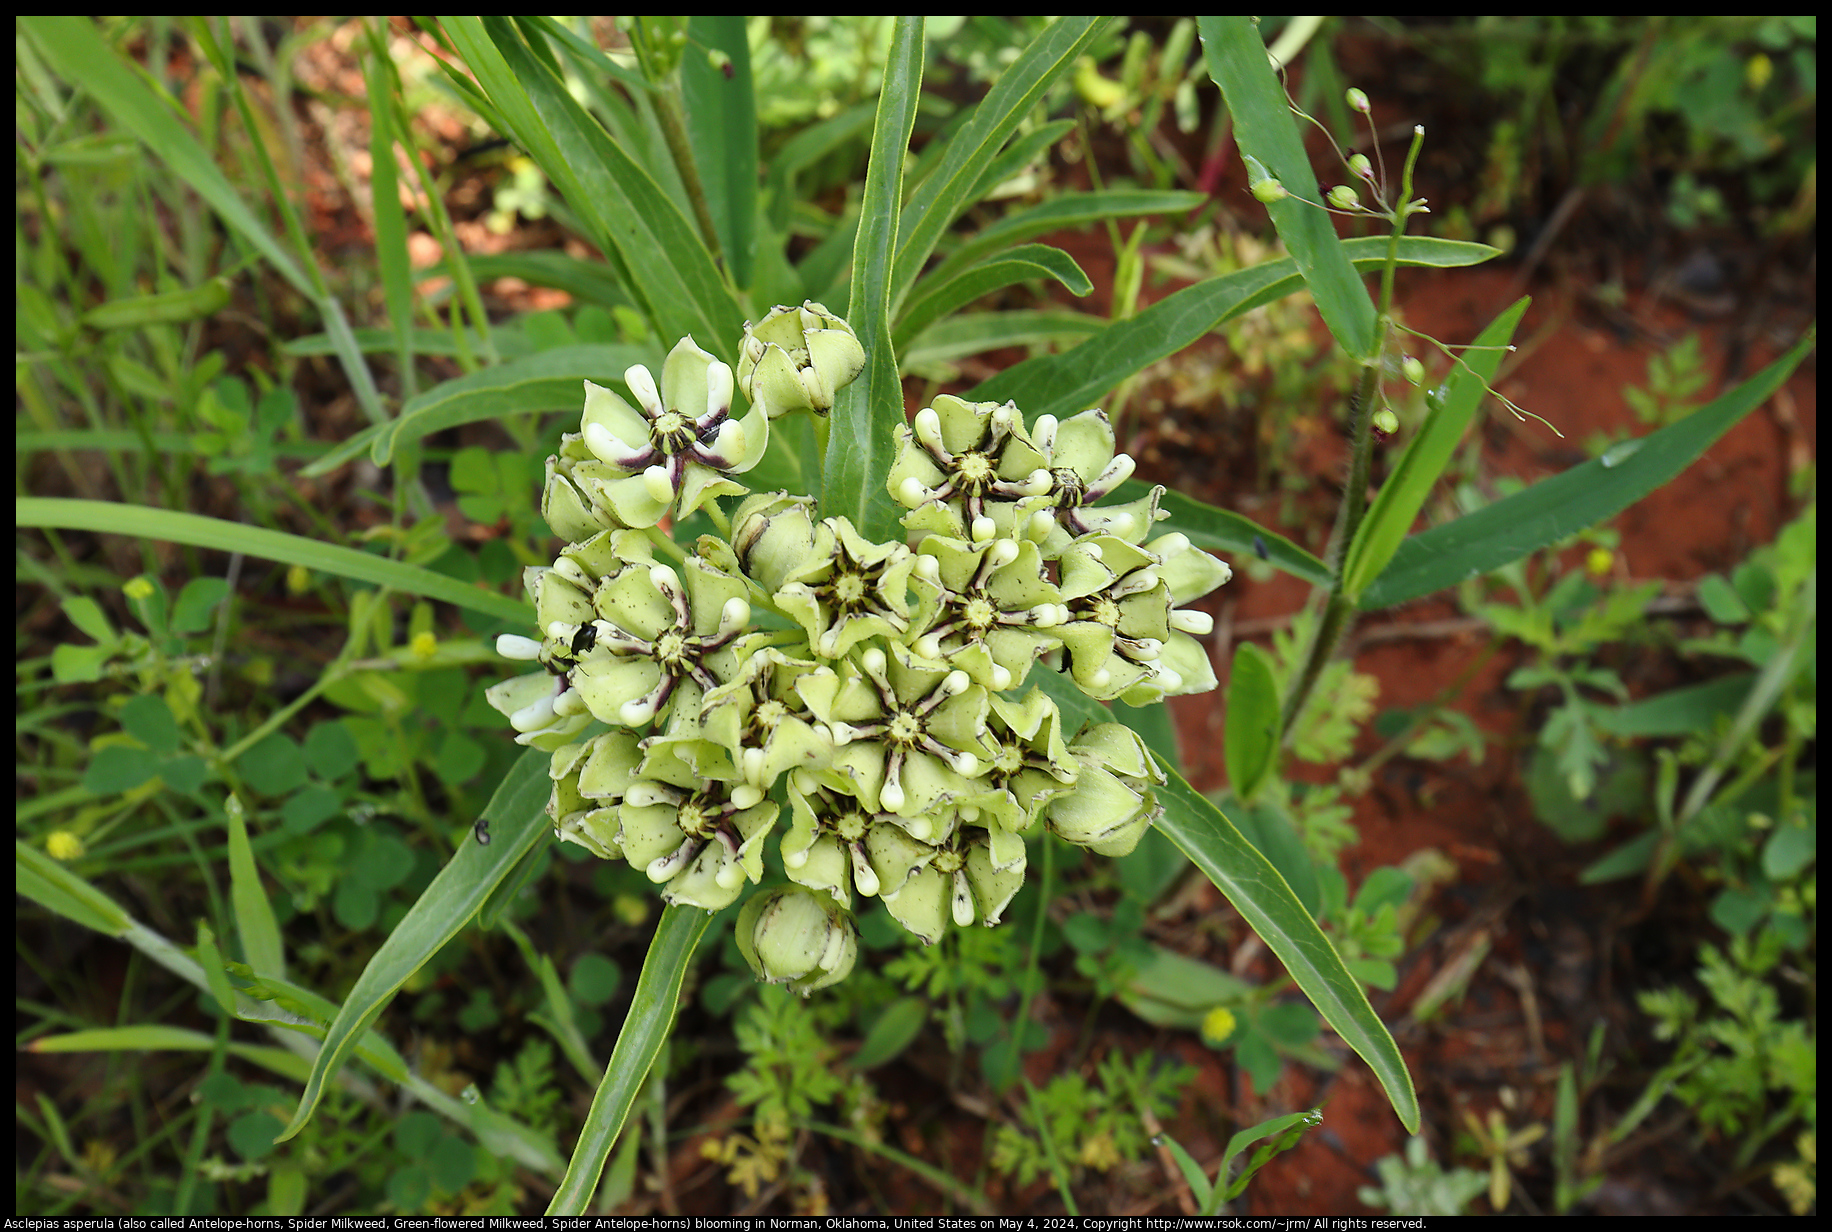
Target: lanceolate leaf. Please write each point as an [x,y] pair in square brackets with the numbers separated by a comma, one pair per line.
[106,517]
[645,1030]
[1069,383]
[859,444]
[1266,902]
[1265,129]
[447,905]
[1020,264]
[971,149]
[1252,740]
[1427,454]
[1067,213]
[621,205]
[1559,507]
[722,123]
[545,381]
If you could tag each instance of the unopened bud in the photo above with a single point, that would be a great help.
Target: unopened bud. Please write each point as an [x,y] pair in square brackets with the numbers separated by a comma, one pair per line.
[1412,369]
[1358,101]
[1343,197]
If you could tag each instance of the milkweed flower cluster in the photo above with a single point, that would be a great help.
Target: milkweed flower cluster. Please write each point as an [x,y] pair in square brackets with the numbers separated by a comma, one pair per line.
[885,729]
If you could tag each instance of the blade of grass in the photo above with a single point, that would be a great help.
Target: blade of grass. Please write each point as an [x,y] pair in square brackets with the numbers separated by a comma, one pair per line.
[73,47]
[1022,264]
[107,517]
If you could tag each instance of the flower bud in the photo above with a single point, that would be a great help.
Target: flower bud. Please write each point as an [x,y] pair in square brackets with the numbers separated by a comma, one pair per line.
[795,936]
[1268,191]
[1412,369]
[797,359]
[1343,197]
[1385,422]
[1358,101]
[1359,164]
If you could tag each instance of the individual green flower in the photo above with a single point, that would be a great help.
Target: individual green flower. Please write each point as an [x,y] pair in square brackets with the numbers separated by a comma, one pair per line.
[701,839]
[589,781]
[789,935]
[840,587]
[797,359]
[908,735]
[824,847]
[984,608]
[961,467]
[1114,800]
[760,719]
[659,630]
[964,878]
[674,452]
[1031,763]
[1125,637]
[1083,468]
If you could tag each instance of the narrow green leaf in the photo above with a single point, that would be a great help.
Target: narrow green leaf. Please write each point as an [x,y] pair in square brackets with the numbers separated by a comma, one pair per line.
[891,1032]
[156,1038]
[1263,898]
[1264,128]
[975,333]
[645,1030]
[163,308]
[859,443]
[255,921]
[1401,497]
[385,200]
[140,522]
[55,888]
[948,190]
[545,381]
[722,124]
[1018,265]
[1555,509]
[620,203]
[517,823]
[1250,744]
[1070,212]
[1223,530]
[1069,383]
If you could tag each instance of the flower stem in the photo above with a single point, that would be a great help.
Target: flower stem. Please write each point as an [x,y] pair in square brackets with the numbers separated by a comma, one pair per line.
[1338,611]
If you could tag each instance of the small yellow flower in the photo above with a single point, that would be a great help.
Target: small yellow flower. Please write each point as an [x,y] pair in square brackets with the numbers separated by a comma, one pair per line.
[1218,1026]
[139,589]
[423,645]
[1599,561]
[64,846]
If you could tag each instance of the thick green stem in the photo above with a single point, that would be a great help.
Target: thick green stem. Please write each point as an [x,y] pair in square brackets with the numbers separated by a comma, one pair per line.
[671,115]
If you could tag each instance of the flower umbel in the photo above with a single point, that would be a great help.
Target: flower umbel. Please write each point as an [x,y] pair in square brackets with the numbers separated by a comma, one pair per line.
[873,686]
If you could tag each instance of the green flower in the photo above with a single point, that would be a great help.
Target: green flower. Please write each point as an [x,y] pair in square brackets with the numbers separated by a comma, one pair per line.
[983,608]
[673,453]
[589,781]
[1114,800]
[841,588]
[1083,468]
[908,735]
[797,359]
[760,719]
[791,936]
[1125,638]
[969,877]
[1031,763]
[700,839]
[961,467]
